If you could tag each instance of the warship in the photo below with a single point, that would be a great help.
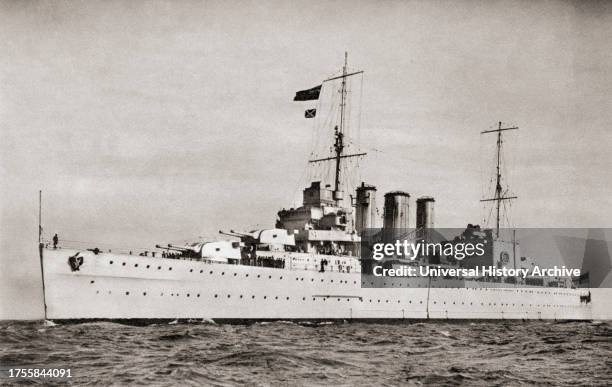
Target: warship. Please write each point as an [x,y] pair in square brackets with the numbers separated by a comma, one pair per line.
[308,267]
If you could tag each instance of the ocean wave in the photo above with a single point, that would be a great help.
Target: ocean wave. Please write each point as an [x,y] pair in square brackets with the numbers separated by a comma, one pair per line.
[424,353]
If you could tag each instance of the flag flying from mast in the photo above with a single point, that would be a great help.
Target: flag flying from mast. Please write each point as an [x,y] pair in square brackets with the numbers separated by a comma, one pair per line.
[310,113]
[308,95]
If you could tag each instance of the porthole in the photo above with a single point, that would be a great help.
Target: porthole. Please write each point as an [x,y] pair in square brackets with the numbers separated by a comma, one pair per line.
[253,297]
[158,267]
[281,277]
[187,294]
[191,270]
[269,277]
[127,293]
[135,265]
[241,296]
[210,272]
[201,271]
[258,275]
[169,269]
[92,281]
[222,273]
[123,264]
[303,298]
[148,266]
[265,297]
[228,296]
[144,293]
[198,295]
[216,295]
[111,262]
[287,298]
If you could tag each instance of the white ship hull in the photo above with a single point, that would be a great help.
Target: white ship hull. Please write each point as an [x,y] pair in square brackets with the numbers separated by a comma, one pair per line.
[136,287]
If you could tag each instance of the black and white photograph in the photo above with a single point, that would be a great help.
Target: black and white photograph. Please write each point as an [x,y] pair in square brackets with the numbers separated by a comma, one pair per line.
[306,193]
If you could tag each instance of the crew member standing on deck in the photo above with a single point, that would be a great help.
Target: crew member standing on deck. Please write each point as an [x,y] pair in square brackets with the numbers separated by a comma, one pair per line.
[55,240]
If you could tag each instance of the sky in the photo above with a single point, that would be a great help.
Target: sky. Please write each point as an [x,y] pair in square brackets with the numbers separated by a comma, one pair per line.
[154,122]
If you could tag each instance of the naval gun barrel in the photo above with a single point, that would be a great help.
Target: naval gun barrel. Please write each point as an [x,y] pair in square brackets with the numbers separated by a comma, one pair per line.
[176,248]
[238,233]
[233,234]
[166,248]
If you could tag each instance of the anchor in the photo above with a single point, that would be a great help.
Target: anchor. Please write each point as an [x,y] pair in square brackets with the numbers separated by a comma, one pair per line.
[75,262]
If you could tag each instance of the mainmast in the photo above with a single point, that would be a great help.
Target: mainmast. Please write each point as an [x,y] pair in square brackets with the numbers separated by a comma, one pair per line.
[498,197]
[339,133]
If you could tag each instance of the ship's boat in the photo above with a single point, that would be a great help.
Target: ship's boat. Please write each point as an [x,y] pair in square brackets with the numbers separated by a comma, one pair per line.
[309,266]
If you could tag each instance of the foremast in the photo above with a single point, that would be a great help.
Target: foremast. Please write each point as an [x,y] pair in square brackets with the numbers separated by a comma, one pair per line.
[338,145]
